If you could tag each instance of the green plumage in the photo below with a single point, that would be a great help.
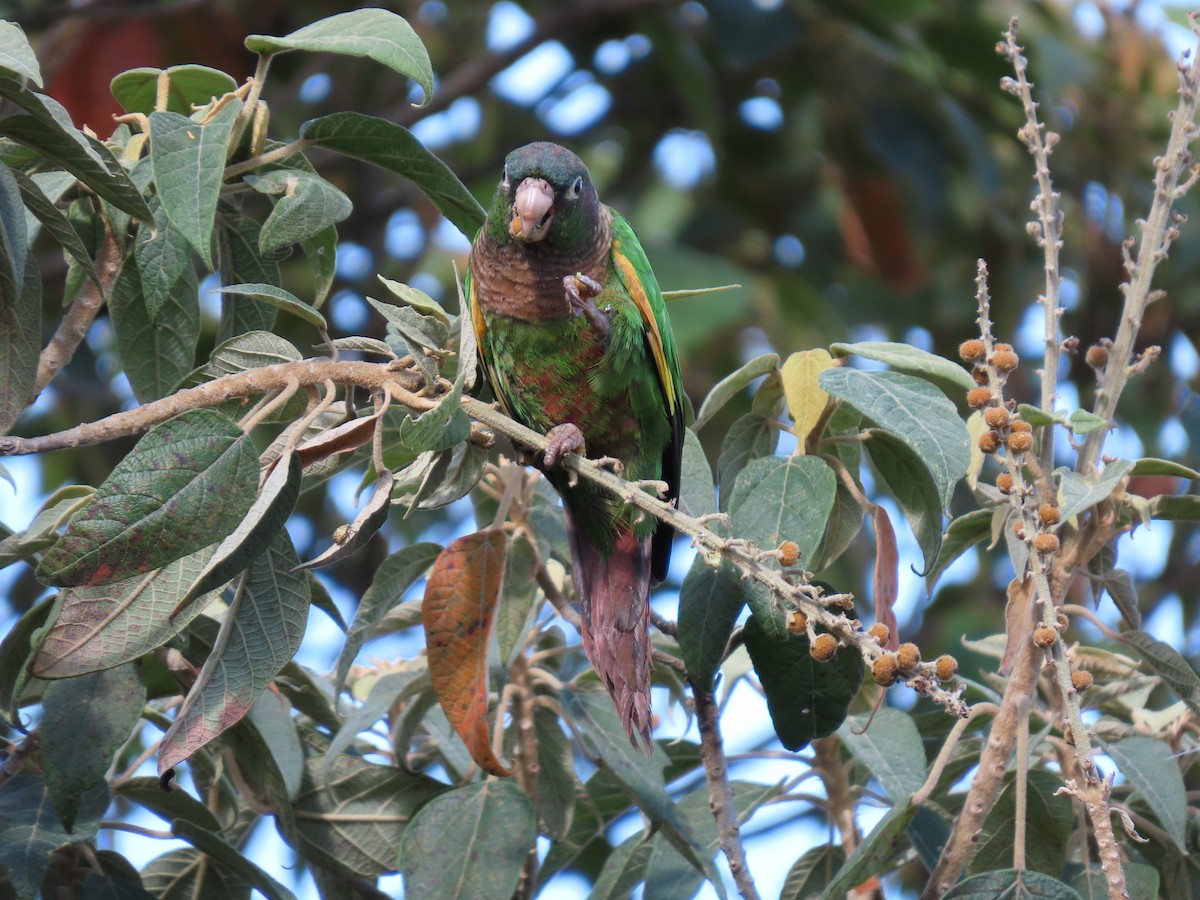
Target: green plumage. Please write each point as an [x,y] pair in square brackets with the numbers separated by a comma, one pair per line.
[573,330]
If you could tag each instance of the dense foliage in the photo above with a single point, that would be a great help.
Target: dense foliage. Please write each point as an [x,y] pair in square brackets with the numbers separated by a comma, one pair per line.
[202,238]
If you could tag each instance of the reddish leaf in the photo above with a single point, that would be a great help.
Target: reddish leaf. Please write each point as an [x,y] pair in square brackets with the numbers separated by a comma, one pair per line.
[342,438]
[460,602]
[887,574]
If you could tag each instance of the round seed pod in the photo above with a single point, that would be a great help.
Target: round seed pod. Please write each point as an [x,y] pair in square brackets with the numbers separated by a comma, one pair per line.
[880,632]
[972,350]
[946,667]
[908,657]
[823,647]
[978,398]
[1046,543]
[1044,636]
[989,442]
[1019,442]
[1096,356]
[884,670]
[1049,514]
[797,622]
[980,374]
[788,553]
[1005,360]
[1004,483]
[997,417]
[1081,680]
[1021,425]
[1019,528]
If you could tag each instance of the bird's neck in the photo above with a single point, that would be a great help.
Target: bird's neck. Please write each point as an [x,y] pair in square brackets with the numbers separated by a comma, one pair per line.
[525,281]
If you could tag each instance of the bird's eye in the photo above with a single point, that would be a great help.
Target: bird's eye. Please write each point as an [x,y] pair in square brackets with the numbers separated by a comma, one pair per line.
[576,188]
[504,175]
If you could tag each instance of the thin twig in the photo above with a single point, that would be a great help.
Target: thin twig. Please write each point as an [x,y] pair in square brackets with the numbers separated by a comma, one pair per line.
[720,795]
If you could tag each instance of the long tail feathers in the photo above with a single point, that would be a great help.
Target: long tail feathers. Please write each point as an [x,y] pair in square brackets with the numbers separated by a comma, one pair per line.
[614,600]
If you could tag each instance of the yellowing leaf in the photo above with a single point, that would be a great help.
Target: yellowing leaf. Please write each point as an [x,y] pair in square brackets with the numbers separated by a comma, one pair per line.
[805,399]
[460,603]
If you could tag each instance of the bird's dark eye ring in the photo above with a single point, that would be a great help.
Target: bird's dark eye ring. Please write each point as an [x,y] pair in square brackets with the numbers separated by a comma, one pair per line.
[504,174]
[576,187]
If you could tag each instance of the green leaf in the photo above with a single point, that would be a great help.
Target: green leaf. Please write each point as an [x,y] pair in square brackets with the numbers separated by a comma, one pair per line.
[1148,765]
[624,869]
[961,535]
[353,821]
[158,351]
[1011,884]
[189,86]
[307,205]
[1078,493]
[1152,466]
[230,857]
[1170,508]
[188,161]
[50,133]
[241,263]
[321,250]
[409,680]
[809,875]
[807,699]
[418,300]
[1048,821]
[915,412]
[56,223]
[366,524]
[909,480]
[890,746]
[261,632]
[468,843]
[374,33]
[168,805]
[557,784]
[16,650]
[599,730]
[1037,417]
[162,255]
[777,500]
[250,350]
[1141,882]
[517,593]
[255,533]
[30,831]
[877,849]
[697,494]
[187,483]
[1082,422]
[1120,586]
[729,386]
[913,360]
[279,298]
[710,601]
[1168,665]
[16,56]
[20,308]
[189,873]
[393,577]
[86,720]
[749,438]
[395,148]
[104,626]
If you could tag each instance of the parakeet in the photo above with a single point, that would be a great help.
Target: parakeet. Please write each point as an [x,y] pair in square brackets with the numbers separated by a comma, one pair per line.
[574,339]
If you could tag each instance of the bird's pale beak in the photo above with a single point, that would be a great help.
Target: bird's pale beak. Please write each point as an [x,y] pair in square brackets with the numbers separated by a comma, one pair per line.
[533,207]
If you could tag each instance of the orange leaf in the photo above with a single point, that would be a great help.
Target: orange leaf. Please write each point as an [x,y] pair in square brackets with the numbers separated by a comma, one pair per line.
[460,602]
[887,574]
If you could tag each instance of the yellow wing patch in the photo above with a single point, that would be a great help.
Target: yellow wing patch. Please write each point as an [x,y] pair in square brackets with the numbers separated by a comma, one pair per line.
[476,315]
[634,284]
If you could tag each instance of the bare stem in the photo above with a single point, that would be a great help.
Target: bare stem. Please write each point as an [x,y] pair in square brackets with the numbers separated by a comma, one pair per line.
[720,795]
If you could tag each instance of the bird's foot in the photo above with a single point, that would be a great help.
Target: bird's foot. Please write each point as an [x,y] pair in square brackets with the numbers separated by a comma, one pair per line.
[563,439]
[582,292]
[661,488]
[718,518]
[611,463]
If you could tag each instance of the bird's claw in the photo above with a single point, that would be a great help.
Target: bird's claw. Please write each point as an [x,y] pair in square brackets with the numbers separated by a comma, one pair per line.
[582,291]
[563,439]
[611,463]
[661,488]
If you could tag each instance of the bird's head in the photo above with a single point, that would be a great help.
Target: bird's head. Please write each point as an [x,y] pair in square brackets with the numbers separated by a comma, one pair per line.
[545,194]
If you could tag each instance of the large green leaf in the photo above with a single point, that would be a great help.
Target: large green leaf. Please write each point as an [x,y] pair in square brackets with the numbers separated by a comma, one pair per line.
[710,601]
[961,535]
[697,493]
[260,634]
[1079,493]
[1165,661]
[20,307]
[187,874]
[158,351]
[85,721]
[1011,884]
[468,843]
[910,359]
[49,132]
[188,160]
[241,263]
[16,56]
[225,854]
[1149,766]
[353,820]
[162,255]
[809,875]
[279,298]
[374,33]
[875,850]
[188,86]
[186,484]
[909,480]
[777,499]
[729,386]
[30,830]
[1048,821]
[914,411]
[16,650]
[109,624]
[749,438]
[393,147]
[889,745]
[807,699]
[54,220]
[307,205]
